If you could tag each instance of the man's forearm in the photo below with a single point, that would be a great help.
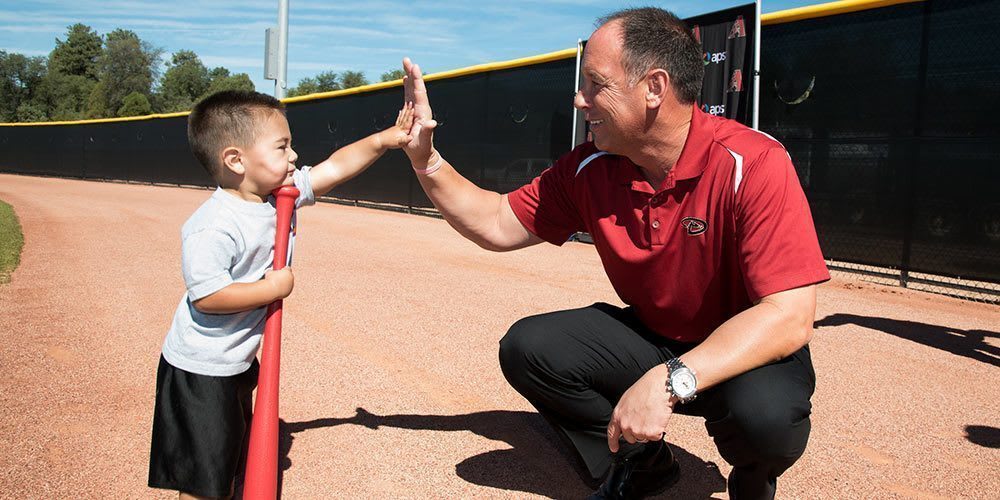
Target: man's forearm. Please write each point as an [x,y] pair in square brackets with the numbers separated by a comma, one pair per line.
[771,330]
[477,214]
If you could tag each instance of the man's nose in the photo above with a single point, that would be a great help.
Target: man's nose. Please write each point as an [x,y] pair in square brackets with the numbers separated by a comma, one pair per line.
[578,100]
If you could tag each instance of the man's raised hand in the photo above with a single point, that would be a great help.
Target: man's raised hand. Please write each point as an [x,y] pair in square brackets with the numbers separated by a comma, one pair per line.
[420,149]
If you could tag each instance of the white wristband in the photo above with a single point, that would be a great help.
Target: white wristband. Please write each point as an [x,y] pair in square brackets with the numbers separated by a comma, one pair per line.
[432,168]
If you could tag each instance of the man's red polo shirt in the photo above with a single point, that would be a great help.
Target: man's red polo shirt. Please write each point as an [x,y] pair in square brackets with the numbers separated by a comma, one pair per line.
[729,225]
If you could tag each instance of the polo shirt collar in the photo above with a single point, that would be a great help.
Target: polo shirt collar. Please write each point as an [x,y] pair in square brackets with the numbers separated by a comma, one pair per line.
[692,162]
[694,156]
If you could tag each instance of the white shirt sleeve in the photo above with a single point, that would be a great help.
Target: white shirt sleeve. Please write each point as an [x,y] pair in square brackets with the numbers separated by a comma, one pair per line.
[304,185]
[207,257]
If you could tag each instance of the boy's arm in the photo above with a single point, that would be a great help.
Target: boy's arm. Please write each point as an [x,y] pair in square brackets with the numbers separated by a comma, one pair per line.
[354,158]
[238,297]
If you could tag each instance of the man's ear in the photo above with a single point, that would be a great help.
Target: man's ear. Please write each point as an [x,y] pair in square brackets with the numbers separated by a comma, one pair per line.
[232,160]
[657,87]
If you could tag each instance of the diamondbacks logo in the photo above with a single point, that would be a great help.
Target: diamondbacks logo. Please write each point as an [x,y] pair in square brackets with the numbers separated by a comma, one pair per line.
[694,225]
[736,82]
[739,29]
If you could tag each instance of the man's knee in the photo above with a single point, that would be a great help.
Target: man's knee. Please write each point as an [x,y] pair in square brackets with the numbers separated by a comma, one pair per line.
[769,432]
[779,433]
[521,344]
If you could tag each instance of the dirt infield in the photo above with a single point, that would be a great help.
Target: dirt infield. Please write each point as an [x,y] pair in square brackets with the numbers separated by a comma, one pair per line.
[390,382]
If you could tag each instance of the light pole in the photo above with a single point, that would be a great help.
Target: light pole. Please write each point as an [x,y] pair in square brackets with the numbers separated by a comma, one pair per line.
[276,52]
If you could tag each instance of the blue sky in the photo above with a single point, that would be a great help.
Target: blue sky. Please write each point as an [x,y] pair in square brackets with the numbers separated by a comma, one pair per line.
[364,35]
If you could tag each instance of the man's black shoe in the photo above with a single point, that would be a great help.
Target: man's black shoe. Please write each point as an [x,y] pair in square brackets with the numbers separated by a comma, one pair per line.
[647,473]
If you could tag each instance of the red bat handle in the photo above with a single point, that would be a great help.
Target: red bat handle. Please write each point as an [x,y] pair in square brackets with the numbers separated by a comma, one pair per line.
[262,457]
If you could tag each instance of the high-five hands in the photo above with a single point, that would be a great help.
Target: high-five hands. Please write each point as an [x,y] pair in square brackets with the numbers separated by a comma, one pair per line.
[398,135]
[421,147]
[642,412]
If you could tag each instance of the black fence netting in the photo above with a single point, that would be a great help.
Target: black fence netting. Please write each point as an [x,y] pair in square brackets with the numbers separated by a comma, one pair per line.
[891,115]
[143,151]
[499,129]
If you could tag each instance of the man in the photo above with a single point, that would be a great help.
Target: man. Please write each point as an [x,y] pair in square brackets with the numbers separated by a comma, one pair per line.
[705,234]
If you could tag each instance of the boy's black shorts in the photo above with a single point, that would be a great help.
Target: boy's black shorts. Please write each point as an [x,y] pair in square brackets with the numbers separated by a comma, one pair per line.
[200,429]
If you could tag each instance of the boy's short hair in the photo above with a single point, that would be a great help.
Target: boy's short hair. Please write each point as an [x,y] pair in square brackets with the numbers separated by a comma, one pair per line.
[227,118]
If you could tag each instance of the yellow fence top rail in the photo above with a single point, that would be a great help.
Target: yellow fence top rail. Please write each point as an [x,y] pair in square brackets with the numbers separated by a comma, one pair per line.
[471,70]
[827,9]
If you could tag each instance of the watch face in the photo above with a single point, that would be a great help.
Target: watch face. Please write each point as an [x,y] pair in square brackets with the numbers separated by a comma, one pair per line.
[683,383]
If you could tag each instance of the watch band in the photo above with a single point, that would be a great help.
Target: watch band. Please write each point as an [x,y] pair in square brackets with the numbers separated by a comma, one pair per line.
[673,364]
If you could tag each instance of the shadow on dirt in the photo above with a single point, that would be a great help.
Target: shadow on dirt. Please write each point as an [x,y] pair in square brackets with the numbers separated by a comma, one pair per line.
[536,463]
[968,343]
[983,435]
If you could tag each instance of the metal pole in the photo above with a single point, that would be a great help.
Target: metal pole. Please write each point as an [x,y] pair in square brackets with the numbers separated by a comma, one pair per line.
[756,67]
[281,83]
[576,90]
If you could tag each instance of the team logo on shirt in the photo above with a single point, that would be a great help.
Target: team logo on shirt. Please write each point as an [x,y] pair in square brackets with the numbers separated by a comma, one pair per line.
[694,225]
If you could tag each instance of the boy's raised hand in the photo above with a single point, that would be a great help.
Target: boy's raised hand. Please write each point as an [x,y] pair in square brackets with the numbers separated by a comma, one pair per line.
[420,148]
[398,135]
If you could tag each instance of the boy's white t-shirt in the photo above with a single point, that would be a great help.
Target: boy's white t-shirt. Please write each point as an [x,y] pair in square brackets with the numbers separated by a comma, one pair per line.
[227,240]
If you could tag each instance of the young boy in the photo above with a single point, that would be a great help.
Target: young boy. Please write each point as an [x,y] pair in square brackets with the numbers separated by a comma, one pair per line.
[208,368]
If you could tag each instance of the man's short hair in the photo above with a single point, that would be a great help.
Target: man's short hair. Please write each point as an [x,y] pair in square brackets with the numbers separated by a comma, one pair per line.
[655,38]
[227,118]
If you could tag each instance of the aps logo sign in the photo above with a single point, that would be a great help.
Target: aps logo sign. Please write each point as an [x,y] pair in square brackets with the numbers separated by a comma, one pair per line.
[716,109]
[714,57]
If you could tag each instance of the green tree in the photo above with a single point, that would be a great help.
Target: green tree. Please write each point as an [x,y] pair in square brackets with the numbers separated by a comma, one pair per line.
[19,79]
[218,72]
[96,106]
[64,97]
[222,80]
[306,86]
[323,82]
[185,80]
[396,74]
[351,79]
[135,104]
[327,81]
[126,65]
[78,54]
[30,112]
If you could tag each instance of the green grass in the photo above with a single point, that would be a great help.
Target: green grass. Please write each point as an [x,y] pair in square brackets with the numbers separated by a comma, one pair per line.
[11,241]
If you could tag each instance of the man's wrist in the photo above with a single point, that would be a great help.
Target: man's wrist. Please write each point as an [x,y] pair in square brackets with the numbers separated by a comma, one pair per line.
[432,164]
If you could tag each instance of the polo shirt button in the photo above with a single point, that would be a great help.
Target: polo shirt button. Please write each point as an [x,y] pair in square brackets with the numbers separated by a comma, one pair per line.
[656,224]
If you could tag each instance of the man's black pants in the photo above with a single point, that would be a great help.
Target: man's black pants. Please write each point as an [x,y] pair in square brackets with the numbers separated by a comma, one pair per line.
[574,366]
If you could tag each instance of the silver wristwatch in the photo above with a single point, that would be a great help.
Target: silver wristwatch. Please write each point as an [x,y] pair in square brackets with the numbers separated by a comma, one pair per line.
[681,381]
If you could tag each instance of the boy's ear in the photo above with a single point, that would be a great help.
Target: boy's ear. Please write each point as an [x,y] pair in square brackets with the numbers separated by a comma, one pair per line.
[232,160]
